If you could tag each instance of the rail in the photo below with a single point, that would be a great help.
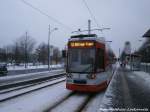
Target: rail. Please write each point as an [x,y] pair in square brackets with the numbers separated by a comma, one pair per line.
[21,91]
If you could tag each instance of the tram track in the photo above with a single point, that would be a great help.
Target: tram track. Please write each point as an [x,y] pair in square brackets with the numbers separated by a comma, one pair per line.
[7,95]
[86,101]
[27,85]
[56,104]
[86,98]
[79,101]
[17,83]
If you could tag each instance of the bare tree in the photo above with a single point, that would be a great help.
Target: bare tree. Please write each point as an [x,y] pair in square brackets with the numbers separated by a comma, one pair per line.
[25,47]
[17,55]
[56,55]
[42,53]
[2,55]
[6,54]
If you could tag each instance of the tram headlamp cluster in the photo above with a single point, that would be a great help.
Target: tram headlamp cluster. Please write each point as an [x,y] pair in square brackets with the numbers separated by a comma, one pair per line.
[91,76]
[81,44]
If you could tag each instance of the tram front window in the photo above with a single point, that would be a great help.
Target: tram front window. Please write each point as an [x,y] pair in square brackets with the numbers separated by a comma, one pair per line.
[81,60]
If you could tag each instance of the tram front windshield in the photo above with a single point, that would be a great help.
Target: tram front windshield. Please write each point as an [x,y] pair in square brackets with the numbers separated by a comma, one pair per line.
[81,60]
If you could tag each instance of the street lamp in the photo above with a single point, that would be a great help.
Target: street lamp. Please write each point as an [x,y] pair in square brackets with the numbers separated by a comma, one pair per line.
[49,34]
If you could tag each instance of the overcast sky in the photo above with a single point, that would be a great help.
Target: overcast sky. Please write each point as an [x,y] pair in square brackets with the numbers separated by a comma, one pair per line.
[128,20]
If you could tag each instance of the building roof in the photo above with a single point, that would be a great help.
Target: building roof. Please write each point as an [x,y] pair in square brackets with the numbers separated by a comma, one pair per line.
[147,34]
[134,55]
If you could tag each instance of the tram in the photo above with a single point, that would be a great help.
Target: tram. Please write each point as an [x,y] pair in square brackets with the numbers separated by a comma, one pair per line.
[89,61]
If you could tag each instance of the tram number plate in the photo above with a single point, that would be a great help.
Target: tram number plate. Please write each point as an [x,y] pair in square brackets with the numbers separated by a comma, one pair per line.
[80,81]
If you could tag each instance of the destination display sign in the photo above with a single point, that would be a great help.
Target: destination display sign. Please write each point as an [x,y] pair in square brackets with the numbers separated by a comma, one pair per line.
[81,44]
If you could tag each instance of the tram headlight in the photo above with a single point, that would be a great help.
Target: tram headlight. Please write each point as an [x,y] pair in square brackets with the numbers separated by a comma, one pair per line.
[91,76]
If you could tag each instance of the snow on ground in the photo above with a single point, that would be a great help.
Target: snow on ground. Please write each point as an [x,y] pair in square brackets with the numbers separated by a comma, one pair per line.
[33,67]
[94,104]
[36,101]
[41,100]
[128,66]
[20,91]
[144,76]
[109,92]
[127,89]
[71,104]
[22,76]
[139,86]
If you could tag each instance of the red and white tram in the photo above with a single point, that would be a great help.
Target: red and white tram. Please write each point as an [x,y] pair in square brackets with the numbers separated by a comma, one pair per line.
[88,63]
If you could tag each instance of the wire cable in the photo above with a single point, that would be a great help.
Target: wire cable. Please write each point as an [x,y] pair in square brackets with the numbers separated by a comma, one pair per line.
[90,12]
[45,14]
[92,15]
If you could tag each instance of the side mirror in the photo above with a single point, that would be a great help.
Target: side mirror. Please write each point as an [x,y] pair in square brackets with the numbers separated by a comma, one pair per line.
[64,53]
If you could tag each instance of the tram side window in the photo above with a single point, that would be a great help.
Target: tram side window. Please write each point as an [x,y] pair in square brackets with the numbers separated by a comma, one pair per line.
[100,60]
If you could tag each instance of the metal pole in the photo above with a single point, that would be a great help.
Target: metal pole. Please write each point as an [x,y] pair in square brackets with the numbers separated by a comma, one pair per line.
[89,27]
[49,48]
[26,50]
[119,56]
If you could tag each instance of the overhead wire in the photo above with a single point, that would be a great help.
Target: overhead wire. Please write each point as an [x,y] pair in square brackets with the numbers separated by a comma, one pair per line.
[90,12]
[45,14]
[94,18]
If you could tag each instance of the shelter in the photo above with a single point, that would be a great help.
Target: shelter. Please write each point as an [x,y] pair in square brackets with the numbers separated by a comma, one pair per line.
[147,34]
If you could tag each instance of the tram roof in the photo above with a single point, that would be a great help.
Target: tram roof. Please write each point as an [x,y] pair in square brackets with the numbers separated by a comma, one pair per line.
[87,37]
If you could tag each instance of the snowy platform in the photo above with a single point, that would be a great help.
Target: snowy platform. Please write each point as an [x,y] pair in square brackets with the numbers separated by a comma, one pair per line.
[127,90]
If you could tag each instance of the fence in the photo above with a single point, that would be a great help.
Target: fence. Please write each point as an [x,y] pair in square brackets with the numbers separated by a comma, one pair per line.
[145,67]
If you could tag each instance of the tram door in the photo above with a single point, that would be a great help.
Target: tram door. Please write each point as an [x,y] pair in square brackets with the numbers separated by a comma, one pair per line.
[100,60]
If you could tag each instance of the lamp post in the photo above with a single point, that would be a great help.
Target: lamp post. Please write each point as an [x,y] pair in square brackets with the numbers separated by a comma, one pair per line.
[49,34]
